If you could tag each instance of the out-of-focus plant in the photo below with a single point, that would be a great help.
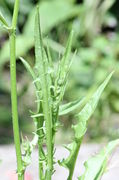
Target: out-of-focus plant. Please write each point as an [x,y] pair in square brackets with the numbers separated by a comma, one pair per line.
[93,16]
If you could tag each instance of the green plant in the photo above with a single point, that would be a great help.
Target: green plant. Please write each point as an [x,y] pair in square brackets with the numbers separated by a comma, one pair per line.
[93,56]
[50,87]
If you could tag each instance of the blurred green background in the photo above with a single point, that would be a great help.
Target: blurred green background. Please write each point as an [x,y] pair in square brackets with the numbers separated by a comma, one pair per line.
[96,39]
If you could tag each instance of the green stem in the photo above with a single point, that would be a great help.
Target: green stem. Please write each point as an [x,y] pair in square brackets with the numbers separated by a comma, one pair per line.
[41,174]
[40,147]
[48,125]
[14,91]
[71,170]
[73,158]
[41,62]
[40,133]
[15,14]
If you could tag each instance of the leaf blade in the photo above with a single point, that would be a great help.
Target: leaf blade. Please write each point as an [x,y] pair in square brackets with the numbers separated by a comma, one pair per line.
[28,68]
[81,127]
[3,21]
[95,166]
[89,108]
[69,107]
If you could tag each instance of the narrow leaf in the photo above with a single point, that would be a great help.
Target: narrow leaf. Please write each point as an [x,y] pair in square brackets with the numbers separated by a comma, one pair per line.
[49,56]
[28,68]
[3,21]
[81,127]
[69,107]
[36,83]
[64,64]
[95,166]
[41,66]
[65,58]
[61,77]
[37,115]
[88,110]
[39,55]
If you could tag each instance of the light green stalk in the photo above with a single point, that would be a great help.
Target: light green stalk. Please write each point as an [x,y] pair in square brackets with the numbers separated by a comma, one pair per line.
[14,91]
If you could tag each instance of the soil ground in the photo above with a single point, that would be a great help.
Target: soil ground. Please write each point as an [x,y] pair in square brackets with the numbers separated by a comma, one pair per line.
[7,155]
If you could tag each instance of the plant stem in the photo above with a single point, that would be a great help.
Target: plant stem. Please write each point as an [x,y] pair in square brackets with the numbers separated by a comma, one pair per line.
[15,14]
[14,91]
[48,125]
[48,122]
[41,62]
[40,147]
[40,134]
[72,162]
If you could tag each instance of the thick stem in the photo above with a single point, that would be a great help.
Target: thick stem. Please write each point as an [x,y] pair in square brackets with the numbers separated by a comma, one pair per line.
[14,91]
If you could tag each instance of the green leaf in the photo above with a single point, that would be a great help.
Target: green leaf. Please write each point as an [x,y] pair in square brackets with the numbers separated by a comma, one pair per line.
[81,127]
[88,110]
[63,70]
[49,19]
[34,77]
[50,62]
[28,149]
[96,165]
[24,42]
[41,67]
[69,107]
[3,21]
[64,64]
[4,10]
[41,61]
[39,55]
[28,68]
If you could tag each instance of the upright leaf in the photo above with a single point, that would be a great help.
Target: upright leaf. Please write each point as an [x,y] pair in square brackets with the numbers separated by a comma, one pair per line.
[81,127]
[35,81]
[3,21]
[63,70]
[39,61]
[88,109]
[28,68]
[49,19]
[41,66]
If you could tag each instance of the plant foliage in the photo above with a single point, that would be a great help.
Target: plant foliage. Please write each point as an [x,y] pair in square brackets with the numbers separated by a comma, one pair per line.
[50,85]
